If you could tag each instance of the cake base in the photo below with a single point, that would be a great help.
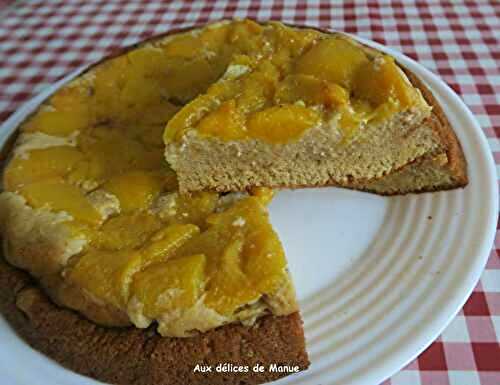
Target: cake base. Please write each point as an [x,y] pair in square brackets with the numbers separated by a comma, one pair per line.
[129,356]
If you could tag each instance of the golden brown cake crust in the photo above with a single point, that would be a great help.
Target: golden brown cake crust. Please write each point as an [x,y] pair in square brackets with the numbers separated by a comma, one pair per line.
[456,159]
[142,357]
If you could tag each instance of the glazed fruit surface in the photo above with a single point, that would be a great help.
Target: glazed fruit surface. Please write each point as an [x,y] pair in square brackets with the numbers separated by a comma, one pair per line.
[94,151]
[282,81]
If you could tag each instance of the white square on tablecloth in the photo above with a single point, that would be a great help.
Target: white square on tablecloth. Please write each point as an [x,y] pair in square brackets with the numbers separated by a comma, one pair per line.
[491,280]
[406,377]
[495,319]
[456,331]
[462,377]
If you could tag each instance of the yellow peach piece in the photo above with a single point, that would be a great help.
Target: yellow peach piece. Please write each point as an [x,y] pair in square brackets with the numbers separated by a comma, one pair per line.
[135,190]
[381,81]
[311,91]
[106,275]
[333,59]
[125,231]
[225,122]
[281,124]
[52,121]
[173,284]
[60,196]
[229,287]
[40,164]
[166,241]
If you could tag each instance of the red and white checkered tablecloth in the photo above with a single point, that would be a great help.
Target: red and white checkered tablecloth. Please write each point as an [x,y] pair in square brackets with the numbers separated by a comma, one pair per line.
[40,41]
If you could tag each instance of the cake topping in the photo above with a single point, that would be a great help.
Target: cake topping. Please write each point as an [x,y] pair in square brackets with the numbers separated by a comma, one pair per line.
[94,153]
[326,75]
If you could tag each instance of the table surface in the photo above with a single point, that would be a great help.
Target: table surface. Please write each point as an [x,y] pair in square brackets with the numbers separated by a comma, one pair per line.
[42,41]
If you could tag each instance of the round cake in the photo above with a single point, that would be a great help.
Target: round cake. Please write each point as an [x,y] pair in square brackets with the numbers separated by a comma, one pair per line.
[116,268]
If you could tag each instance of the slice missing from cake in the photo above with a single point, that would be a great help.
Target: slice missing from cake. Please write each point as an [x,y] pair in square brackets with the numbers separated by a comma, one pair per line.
[305,109]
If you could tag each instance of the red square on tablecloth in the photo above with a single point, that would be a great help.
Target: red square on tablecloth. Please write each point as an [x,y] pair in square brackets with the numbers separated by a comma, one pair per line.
[476,305]
[433,358]
[487,355]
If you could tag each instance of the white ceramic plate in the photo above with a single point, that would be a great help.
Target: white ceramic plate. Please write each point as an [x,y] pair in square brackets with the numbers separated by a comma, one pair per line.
[377,278]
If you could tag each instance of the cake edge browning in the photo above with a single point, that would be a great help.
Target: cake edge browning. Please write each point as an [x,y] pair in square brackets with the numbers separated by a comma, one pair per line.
[142,357]
[448,168]
[456,158]
[455,166]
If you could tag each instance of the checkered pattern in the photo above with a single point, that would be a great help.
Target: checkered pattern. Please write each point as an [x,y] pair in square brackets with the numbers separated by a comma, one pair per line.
[42,41]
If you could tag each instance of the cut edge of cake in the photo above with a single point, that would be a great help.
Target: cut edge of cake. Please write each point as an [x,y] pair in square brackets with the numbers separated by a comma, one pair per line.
[445,170]
[316,159]
[442,167]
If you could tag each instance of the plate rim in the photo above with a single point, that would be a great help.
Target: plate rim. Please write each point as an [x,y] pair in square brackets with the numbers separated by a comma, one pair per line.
[432,331]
